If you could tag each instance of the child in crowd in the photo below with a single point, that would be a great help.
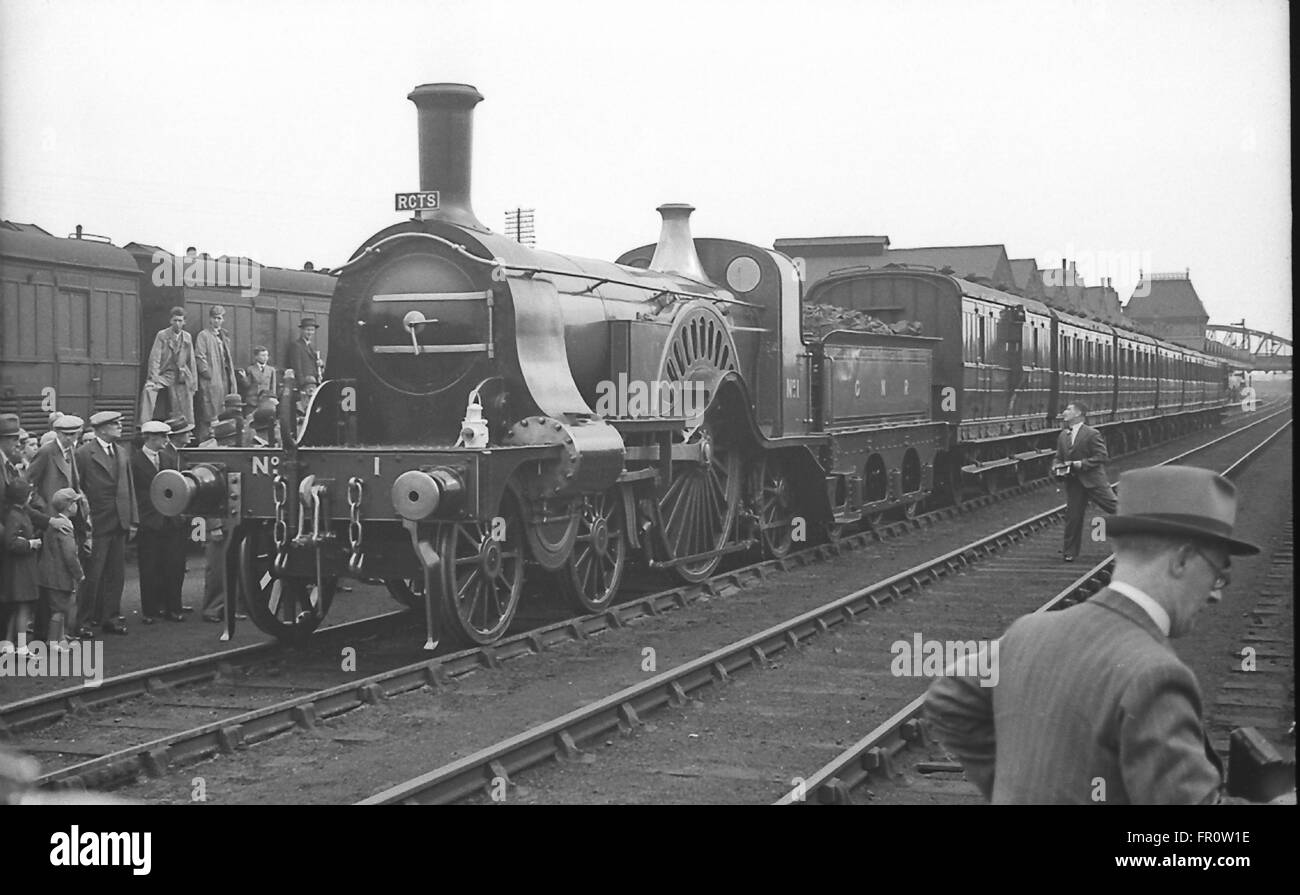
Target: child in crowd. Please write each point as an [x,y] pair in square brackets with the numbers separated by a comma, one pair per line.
[60,570]
[18,574]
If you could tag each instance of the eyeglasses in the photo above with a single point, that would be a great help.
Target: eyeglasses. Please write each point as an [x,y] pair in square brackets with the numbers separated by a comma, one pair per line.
[1222,575]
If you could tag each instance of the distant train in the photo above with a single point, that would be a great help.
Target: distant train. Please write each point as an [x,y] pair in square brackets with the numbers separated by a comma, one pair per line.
[1006,366]
[78,317]
[463,441]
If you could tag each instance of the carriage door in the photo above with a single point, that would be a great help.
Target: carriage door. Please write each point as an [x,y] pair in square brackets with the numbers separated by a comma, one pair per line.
[74,375]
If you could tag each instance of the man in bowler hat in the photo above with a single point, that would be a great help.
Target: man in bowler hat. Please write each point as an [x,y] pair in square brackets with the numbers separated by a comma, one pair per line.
[304,359]
[1091,703]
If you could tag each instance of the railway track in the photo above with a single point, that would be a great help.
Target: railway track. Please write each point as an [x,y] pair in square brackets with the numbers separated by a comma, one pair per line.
[900,749]
[1014,564]
[181,743]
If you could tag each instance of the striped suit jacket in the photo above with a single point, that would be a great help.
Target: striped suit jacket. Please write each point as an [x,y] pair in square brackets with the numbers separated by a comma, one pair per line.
[1091,705]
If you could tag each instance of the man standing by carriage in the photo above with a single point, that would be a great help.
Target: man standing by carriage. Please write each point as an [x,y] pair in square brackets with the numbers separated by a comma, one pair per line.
[216,368]
[172,373]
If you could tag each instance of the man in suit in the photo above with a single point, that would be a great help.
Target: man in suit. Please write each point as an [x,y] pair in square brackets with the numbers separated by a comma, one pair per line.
[105,466]
[55,468]
[179,430]
[1081,462]
[172,370]
[1091,703]
[262,378]
[212,355]
[304,359]
[158,595]
[10,453]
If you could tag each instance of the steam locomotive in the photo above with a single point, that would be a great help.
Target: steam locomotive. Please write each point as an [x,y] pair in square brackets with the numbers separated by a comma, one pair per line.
[494,413]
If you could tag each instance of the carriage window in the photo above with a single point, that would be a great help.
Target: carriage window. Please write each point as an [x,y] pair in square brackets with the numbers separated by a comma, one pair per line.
[981,339]
[1035,337]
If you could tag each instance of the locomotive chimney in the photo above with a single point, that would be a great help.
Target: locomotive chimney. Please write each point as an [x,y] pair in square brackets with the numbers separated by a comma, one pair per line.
[446,148]
[675,252]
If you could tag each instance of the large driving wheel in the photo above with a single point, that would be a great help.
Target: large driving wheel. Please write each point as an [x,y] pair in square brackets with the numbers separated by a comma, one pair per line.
[482,574]
[774,505]
[591,577]
[289,609]
[698,510]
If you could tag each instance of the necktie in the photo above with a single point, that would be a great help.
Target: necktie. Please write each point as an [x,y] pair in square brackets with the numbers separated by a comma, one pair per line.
[72,470]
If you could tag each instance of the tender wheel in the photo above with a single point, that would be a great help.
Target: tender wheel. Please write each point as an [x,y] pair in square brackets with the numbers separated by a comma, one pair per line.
[289,609]
[481,576]
[774,504]
[699,508]
[591,578]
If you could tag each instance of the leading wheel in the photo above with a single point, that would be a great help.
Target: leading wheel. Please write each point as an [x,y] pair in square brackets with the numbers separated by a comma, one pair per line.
[593,573]
[482,574]
[289,609]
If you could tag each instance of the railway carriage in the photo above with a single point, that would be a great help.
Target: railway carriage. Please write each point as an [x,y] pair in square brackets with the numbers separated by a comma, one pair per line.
[69,326]
[78,317]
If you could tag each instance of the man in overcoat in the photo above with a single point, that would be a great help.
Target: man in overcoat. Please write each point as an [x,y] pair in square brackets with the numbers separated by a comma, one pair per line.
[1091,705]
[216,366]
[105,465]
[172,371]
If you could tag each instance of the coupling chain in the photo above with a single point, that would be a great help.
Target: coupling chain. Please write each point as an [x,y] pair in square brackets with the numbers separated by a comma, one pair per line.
[356,534]
[280,533]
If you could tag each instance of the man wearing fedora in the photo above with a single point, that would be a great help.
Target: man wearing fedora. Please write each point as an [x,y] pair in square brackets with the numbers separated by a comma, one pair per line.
[304,359]
[1091,704]
[105,466]
[1081,462]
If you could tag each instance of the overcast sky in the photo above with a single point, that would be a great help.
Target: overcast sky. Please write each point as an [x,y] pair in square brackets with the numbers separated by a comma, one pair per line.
[1122,134]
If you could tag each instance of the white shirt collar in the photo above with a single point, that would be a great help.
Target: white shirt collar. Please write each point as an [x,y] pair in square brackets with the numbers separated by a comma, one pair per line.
[1149,606]
[1075,428]
[152,455]
[108,448]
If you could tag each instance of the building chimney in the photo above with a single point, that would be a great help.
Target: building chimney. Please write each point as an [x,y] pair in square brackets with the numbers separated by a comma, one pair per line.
[446,149]
[675,252]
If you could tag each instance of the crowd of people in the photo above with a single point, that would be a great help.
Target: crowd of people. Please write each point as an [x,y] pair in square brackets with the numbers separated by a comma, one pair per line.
[72,498]
[196,377]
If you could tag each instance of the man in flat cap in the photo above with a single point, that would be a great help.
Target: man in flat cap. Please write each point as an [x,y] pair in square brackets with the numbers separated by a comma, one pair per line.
[304,359]
[173,372]
[1091,704]
[158,595]
[216,368]
[10,454]
[55,468]
[105,466]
